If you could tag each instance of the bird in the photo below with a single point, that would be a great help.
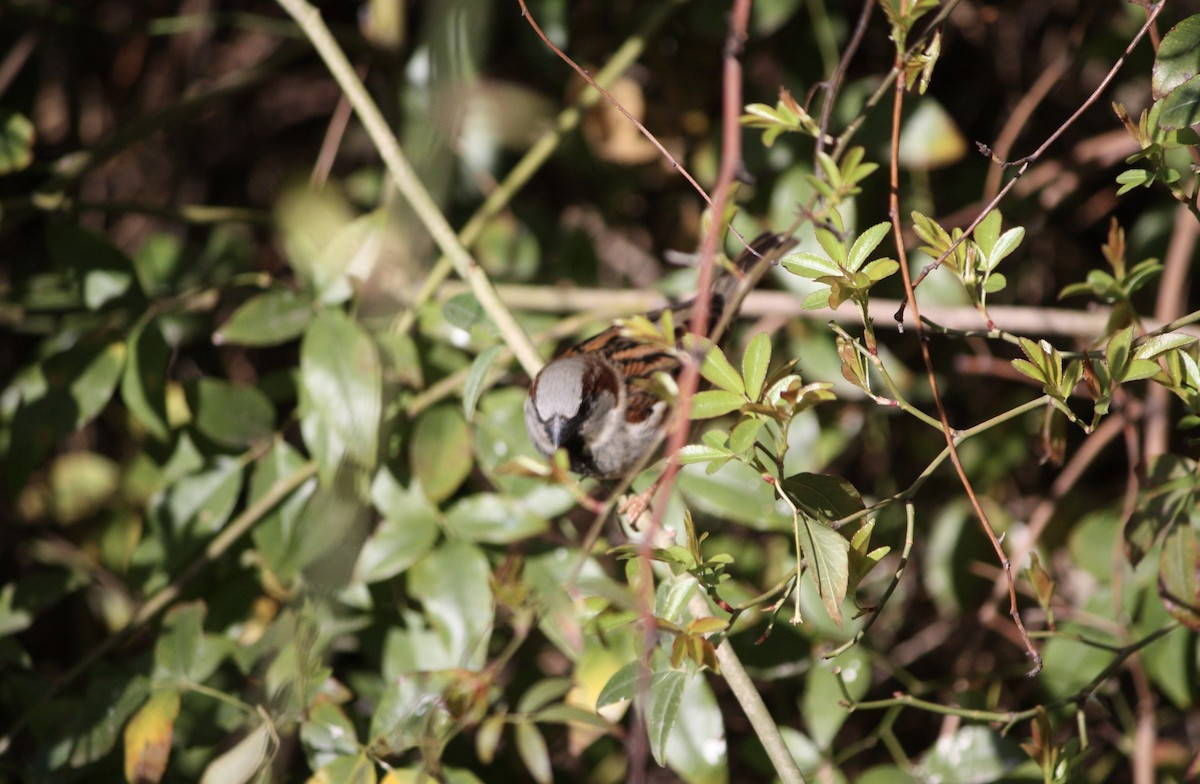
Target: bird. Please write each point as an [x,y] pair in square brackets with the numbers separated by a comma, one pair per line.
[598,400]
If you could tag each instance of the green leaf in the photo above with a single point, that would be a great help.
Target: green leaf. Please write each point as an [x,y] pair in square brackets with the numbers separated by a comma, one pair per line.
[1117,353]
[144,382]
[440,451]
[987,232]
[755,363]
[197,506]
[1179,575]
[735,493]
[90,371]
[879,269]
[494,519]
[16,141]
[1007,243]
[1029,369]
[744,434]
[973,753]
[624,684]
[696,748]
[86,730]
[465,312]
[833,246]
[866,244]
[406,534]
[1178,58]
[534,752]
[182,652]
[827,554]
[1134,178]
[239,764]
[995,282]
[542,693]
[696,453]
[230,414]
[340,374]
[823,715]
[816,300]
[268,319]
[327,733]
[106,278]
[715,402]
[823,496]
[718,371]
[1169,496]
[275,535]
[662,710]
[477,378]
[1161,344]
[452,585]
[1141,369]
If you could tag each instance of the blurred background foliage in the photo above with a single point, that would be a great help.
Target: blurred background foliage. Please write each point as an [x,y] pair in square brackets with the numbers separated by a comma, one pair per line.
[250,529]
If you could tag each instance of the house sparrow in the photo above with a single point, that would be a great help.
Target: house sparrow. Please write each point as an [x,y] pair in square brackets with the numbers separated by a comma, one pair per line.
[596,399]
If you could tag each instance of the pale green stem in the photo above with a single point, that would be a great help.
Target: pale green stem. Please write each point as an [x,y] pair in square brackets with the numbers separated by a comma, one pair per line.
[537,155]
[409,185]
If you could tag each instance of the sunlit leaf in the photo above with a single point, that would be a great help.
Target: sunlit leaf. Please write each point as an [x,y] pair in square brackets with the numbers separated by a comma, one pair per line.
[340,373]
[148,738]
[268,319]
[477,379]
[531,745]
[16,141]
[755,363]
[712,403]
[452,585]
[440,451]
[239,764]
[494,519]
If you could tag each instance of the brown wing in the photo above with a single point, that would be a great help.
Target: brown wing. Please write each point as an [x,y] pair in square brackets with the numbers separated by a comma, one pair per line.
[636,361]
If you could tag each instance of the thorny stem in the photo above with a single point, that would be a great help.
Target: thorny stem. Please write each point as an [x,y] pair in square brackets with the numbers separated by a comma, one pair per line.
[911,298]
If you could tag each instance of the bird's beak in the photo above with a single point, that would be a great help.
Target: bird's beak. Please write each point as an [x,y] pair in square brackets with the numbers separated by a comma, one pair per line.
[556,428]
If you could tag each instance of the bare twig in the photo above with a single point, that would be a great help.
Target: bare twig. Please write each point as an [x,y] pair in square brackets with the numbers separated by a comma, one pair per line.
[1171,303]
[948,432]
[409,185]
[1024,163]
[959,320]
[538,154]
[587,77]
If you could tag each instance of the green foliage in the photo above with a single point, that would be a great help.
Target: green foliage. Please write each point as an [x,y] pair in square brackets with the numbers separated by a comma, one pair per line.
[271,511]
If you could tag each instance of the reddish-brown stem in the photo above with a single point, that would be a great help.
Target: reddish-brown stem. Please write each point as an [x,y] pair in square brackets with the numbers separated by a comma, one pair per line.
[947,431]
[1023,164]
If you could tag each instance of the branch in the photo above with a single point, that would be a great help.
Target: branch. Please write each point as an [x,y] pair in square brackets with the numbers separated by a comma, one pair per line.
[409,185]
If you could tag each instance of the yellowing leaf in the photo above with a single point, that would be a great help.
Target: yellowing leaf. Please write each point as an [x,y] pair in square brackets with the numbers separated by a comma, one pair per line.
[148,738]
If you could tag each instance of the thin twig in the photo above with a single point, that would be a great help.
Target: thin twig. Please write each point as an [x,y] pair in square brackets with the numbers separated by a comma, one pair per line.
[1170,304]
[898,233]
[541,150]
[409,185]
[587,77]
[1024,163]
[960,321]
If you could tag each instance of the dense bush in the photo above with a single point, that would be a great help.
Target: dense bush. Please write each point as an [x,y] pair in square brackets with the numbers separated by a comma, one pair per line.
[269,508]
